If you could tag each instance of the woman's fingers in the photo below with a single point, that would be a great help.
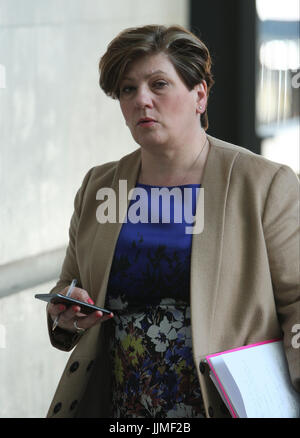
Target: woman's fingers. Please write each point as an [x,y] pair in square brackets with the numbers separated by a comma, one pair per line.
[69,314]
[89,321]
[77,293]
[92,319]
[80,294]
[55,309]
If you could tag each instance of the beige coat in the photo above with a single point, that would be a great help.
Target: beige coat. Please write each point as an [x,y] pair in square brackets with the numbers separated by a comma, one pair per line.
[244,271]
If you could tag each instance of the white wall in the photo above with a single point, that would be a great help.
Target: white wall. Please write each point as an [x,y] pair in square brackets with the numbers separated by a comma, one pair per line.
[55,123]
[30,367]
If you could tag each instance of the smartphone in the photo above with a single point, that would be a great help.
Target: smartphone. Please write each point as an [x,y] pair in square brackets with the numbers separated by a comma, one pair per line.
[85,308]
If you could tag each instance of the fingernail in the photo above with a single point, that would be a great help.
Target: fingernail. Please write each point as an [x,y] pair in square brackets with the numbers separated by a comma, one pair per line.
[90,301]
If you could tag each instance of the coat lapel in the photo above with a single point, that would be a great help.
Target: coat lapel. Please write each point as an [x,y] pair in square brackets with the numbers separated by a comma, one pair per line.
[107,234]
[207,246]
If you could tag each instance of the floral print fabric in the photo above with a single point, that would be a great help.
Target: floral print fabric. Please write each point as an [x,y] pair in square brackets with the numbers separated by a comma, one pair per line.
[148,291]
[153,371]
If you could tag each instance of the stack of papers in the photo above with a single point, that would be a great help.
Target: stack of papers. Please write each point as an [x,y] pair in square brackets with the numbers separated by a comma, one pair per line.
[254,381]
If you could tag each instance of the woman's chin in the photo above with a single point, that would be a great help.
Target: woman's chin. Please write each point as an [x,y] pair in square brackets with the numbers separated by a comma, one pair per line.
[150,141]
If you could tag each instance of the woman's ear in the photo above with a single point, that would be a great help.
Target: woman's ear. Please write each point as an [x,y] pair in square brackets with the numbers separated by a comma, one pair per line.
[201,97]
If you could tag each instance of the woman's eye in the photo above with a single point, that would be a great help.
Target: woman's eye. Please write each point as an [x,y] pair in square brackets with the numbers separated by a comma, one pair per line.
[160,84]
[127,90]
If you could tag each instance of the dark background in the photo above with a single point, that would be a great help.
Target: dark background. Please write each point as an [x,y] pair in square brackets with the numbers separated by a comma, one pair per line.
[228,28]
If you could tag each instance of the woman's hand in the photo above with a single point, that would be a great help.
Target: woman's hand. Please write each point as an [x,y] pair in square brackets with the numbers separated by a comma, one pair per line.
[68,315]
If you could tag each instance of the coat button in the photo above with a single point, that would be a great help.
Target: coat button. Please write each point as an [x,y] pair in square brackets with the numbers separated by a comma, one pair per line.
[73,405]
[202,368]
[88,368]
[57,408]
[210,412]
[74,366]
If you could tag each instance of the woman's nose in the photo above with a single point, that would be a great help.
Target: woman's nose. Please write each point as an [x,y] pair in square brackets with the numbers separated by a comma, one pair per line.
[143,98]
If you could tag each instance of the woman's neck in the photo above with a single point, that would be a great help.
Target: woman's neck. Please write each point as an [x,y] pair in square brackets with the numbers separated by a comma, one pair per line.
[174,166]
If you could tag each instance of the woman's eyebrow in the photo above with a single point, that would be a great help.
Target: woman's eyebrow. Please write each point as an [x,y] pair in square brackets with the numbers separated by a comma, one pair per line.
[128,78]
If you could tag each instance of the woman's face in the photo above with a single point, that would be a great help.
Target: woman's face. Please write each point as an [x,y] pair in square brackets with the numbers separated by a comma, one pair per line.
[157,106]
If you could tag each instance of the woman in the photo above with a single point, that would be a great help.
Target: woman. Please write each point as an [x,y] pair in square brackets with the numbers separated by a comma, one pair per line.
[175,296]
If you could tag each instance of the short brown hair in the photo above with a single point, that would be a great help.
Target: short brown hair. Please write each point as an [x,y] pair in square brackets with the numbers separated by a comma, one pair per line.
[188,54]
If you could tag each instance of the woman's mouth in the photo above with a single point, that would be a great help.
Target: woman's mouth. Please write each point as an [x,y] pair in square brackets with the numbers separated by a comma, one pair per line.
[146,122]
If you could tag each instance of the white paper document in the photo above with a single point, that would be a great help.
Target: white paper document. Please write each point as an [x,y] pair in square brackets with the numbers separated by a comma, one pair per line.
[254,381]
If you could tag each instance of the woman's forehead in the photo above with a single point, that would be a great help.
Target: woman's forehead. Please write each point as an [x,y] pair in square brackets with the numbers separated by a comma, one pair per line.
[147,66]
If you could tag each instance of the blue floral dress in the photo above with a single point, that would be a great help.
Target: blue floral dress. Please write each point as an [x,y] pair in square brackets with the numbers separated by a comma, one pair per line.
[154,375]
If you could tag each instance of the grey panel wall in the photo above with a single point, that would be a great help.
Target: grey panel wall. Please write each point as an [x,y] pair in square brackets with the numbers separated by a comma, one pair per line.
[55,124]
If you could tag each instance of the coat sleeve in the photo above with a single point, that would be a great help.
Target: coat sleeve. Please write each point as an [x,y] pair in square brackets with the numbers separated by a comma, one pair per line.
[62,339]
[281,229]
